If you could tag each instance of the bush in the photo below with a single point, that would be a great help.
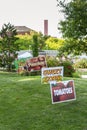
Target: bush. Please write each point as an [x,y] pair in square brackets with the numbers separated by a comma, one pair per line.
[68,66]
[52,61]
[81,63]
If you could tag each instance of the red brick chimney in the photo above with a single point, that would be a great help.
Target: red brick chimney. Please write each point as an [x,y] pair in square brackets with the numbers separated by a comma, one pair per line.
[45,27]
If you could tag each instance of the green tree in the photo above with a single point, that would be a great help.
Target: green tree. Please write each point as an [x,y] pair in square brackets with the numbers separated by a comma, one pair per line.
[38,42]
[74,26]
[73,46]
[53,43]
[41,39]
[35,45]
[8,47]
[24,41]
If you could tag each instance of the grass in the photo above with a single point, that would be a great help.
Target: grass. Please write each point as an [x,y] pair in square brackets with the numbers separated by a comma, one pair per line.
[79,73]
[25,104]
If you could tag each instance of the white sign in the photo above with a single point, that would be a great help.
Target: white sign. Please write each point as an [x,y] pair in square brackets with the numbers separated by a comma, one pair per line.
[51,74]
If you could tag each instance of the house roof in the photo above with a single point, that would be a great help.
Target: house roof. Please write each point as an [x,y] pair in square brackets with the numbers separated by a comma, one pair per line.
[23,29]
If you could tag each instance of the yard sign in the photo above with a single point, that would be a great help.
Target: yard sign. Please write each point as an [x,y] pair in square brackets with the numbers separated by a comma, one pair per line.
[62,91]
[36,63]
[51,74]
[32,64]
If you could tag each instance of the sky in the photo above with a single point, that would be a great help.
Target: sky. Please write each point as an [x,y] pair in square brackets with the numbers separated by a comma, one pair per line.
[31,13]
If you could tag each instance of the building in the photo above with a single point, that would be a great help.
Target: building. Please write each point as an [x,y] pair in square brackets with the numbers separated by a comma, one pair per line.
[23,30]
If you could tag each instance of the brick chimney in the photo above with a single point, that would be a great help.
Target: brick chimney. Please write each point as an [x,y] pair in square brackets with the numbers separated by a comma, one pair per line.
[45,27]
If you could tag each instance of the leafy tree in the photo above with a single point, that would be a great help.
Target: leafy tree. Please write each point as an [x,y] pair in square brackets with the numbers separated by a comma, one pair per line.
[74,26]
[53,43]
[35,45]
[8,47]
[24,41]
[38,42]
[41,39]
[73,46]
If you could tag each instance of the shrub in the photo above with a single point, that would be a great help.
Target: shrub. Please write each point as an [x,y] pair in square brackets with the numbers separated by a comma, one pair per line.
[81,63]
[68,66]
[52,61]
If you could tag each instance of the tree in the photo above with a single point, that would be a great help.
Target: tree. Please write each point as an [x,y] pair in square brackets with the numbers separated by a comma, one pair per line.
[35,45]
[41,39]
[24,41]
[8,47]
[74,26]
[38,42]
[53,43]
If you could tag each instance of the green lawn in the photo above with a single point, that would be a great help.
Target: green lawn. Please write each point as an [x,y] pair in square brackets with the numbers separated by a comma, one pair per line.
[25,104]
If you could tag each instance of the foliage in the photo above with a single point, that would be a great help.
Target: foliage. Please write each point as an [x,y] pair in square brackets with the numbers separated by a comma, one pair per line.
[74,26]
[8,46]
[35,45]
[53,43]
[73,46]
[24,41]
[41,39]
[68,68]
[38,42]
[75,23]
[25,104]
[67,64]
[82,63]
[52,61]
